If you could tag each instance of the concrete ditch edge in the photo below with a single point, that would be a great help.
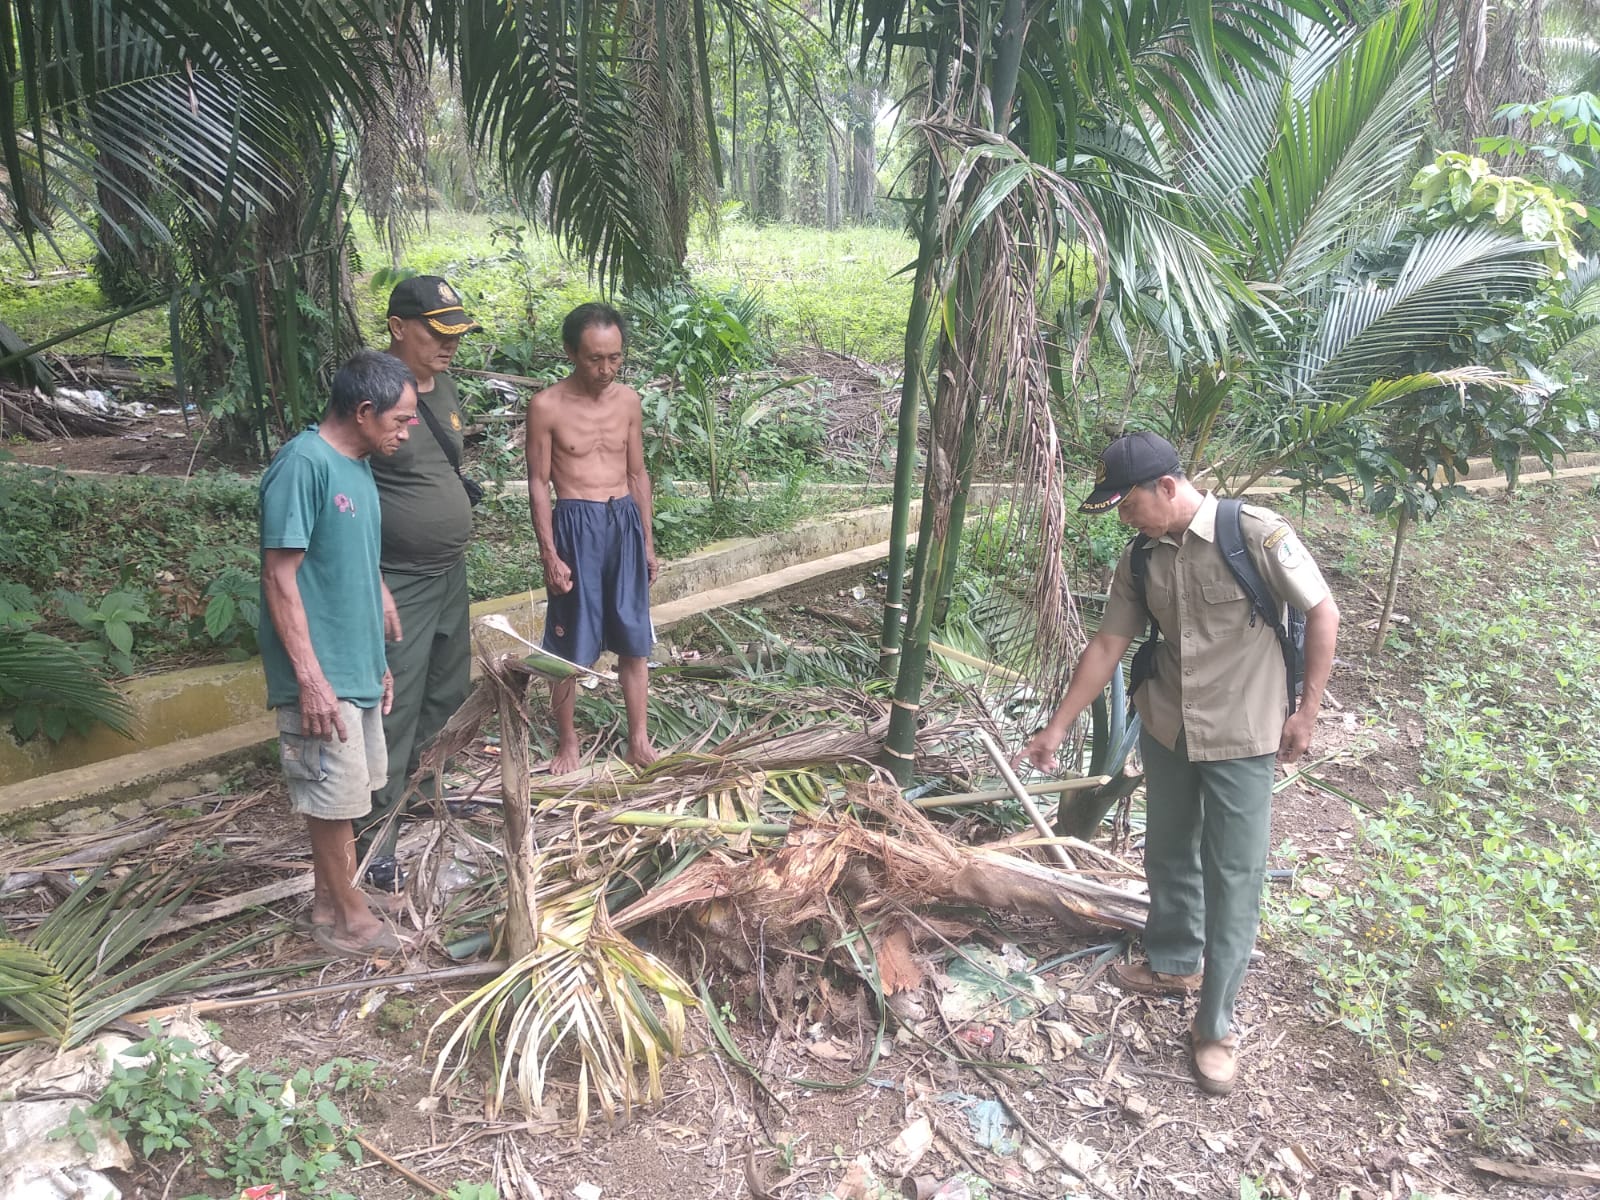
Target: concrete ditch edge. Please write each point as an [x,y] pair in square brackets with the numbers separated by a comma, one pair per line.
[724,586]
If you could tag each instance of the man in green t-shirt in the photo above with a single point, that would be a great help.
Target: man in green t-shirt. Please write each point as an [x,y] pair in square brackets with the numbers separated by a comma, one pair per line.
[328,612]
[427,522]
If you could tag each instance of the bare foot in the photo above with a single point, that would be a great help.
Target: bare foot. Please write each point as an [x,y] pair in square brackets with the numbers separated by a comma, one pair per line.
[565,760]
[640,754]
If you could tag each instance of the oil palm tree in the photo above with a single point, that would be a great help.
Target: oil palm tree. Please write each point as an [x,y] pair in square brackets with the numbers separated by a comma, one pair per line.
[221,134]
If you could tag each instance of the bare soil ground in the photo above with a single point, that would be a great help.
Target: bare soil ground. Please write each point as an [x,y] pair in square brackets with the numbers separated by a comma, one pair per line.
[1117,1115]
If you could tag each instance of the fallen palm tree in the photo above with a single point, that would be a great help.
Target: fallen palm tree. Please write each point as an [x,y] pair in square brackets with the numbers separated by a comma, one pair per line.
[745,845]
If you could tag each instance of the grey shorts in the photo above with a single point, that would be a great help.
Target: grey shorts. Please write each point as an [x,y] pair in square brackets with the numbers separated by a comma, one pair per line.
[329,779]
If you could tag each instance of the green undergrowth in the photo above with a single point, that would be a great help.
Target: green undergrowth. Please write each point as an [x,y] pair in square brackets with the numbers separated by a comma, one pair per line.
[1462,945]
[165,572]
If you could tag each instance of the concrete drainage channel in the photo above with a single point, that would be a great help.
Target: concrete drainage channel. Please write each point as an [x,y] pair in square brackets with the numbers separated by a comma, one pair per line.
[194,717]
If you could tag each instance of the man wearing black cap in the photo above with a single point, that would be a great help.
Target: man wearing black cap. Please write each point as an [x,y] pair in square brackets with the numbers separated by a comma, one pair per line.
[427,522]
[1215,718]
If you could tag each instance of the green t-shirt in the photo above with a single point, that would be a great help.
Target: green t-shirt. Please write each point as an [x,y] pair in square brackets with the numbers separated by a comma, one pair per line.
[315,499]
[427,520]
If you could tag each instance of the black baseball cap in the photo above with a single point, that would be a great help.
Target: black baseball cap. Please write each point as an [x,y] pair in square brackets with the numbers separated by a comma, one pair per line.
[1132,459]
[431,299]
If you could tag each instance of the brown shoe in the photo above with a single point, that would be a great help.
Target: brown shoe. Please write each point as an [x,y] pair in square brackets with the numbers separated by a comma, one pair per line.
[1215,1063]
[1139,977]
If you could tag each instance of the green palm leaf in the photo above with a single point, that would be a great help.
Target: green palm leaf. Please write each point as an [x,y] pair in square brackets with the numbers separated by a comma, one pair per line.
[1448,281]
[49,678]
[74,975]
[1335,156]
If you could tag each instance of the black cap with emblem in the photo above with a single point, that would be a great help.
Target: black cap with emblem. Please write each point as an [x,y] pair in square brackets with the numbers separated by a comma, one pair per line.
[429,298]
[1132,459]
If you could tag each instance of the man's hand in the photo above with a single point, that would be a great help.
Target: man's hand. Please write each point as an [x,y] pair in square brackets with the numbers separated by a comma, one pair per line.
[391,619]
[1041,749]
[319,710]
[557,576]
[1297,731]
[651,566]
[388,691]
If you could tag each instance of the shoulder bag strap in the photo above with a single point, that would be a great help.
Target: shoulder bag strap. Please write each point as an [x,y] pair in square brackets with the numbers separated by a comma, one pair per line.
[445,443]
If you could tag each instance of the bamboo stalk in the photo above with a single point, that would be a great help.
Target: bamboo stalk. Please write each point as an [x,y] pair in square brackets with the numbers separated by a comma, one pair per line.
[1003,765]
[668,821]
[1048,788]
[911,389]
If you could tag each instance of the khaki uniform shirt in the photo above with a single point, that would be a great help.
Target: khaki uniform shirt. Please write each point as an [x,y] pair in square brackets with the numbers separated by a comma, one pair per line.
[1219,668]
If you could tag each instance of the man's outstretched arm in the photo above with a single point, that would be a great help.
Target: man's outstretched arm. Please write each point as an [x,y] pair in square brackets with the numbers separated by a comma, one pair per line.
[1090,674]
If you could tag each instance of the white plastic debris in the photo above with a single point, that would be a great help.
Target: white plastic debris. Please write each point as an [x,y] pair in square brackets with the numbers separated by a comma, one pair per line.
[32,1165]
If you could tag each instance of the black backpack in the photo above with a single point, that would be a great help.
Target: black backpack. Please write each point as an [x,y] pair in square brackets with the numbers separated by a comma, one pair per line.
[1291,633]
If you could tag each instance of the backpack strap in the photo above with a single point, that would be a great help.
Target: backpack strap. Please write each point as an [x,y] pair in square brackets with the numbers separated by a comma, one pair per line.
[1143,667]
[1139,566]
[1230,540]
[445,444]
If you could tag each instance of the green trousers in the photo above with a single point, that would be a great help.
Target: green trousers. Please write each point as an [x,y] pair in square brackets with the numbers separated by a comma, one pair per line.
[1207,829]
[431,665]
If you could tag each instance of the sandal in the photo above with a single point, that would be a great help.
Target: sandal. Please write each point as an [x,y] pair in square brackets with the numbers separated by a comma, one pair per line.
[380,943]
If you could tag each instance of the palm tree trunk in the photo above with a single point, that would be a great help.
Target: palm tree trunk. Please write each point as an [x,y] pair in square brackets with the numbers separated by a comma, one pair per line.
[522,914]
[1400,529]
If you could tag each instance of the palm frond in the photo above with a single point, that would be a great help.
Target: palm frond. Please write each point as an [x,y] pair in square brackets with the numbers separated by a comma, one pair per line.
[1343,151]
[74,975]
[51,679]
[1449,280]
[1580,303]
[192,98]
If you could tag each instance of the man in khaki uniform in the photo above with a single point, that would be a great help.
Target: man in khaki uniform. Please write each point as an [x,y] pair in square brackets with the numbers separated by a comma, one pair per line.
[427,523]
[1215,718]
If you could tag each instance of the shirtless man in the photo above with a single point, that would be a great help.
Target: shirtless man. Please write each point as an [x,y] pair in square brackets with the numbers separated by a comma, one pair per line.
[584,436]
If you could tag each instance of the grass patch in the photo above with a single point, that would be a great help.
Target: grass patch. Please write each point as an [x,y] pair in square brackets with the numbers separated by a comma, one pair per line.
[829,288]
[59,296]
[839,289]
[1462,945]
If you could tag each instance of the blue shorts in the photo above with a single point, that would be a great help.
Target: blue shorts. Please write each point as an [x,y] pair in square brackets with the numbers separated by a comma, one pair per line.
[608,608]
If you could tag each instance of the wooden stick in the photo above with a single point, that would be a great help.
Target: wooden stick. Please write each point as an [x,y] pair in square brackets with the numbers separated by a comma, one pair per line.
[88,856]
[426,1185]
[962,657]
[1537,1176]
[1048,788]
[199,914]
[1003,765]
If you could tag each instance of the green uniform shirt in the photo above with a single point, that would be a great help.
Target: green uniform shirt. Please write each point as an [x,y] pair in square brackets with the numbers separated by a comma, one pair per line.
[1219,668]
[427,520]
[315,499]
